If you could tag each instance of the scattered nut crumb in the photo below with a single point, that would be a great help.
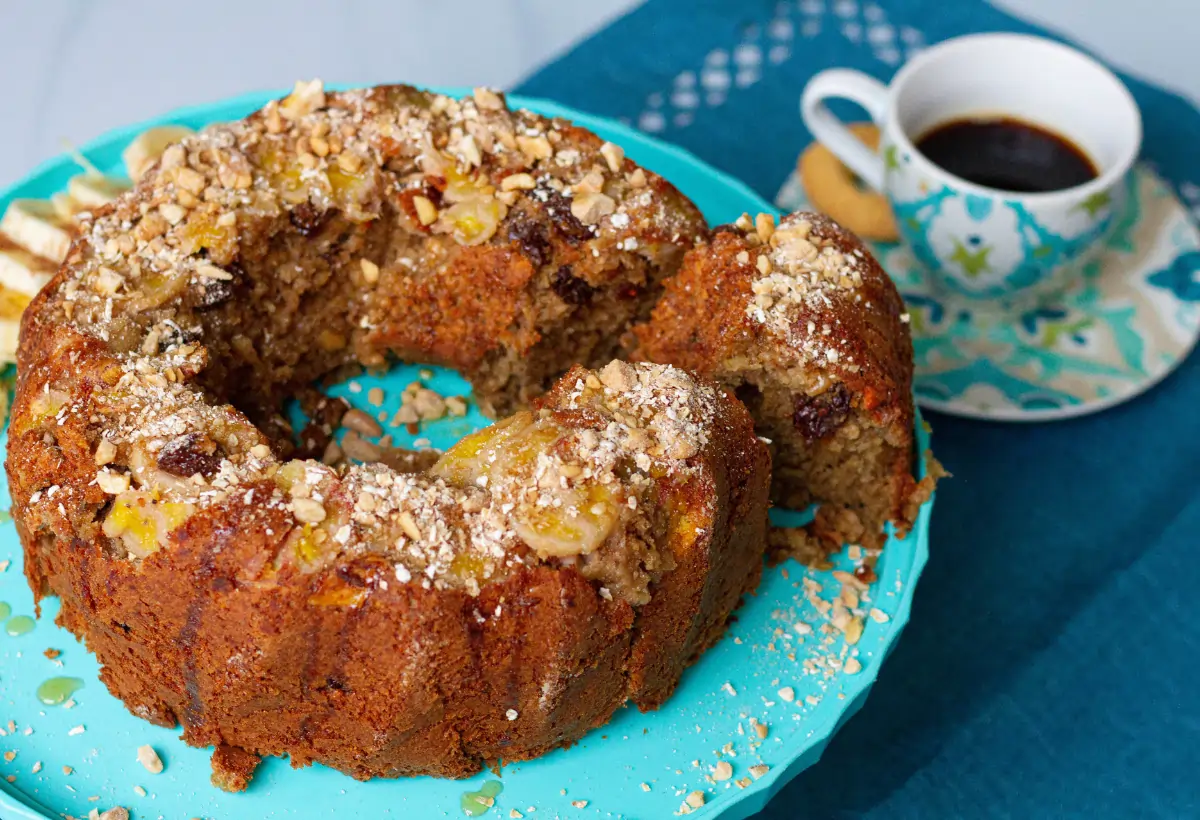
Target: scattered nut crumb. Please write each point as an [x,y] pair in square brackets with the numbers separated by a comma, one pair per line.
[788,694]
[579,804]
[852,666]
[759,770]
[722,771]
[149,759]
[358,421]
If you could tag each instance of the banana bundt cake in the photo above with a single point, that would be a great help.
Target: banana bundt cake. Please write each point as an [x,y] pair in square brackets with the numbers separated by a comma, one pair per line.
[804,326]
[572,557]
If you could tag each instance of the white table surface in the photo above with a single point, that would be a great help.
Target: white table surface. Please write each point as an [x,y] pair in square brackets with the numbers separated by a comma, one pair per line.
[73,69]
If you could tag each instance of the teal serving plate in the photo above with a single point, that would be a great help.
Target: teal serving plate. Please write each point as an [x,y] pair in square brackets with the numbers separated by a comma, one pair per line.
[781,665]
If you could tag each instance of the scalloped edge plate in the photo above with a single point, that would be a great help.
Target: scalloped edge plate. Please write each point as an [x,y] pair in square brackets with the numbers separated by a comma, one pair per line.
[639,764]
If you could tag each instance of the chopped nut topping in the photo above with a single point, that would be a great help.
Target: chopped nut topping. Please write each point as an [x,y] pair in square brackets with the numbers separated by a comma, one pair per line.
[306,97]
[106,451]
[535,148]
[409,525]
[759,770]
[722,771]
[590,208]
[427,213]
[764,224]
[518,182]
[308,511]
[488,99]
[470,150]
[370,270]
[190,180]
[111,482]
[852,666]
[207,271]
[173,213]
[614,155]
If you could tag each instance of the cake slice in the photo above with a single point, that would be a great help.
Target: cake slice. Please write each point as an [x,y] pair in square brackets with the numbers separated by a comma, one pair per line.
[802,324]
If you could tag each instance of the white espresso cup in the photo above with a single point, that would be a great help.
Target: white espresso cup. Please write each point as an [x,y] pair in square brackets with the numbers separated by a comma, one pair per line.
[981,242]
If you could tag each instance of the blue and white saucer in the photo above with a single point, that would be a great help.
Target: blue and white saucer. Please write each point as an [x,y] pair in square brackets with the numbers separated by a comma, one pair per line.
[1128,322]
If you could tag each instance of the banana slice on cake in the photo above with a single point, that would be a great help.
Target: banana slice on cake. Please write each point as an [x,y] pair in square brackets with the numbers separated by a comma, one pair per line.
[10,327]
[145,150]
[22,275]
[89,191]
[36,234]
[36,226]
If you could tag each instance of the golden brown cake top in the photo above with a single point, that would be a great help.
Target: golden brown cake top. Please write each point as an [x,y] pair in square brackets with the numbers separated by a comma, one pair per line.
[130,298]
[576,480]
[455,167]
[808,279]
[804,297]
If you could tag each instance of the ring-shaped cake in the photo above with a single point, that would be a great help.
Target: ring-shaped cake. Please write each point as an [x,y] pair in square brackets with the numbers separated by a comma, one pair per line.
[570,558]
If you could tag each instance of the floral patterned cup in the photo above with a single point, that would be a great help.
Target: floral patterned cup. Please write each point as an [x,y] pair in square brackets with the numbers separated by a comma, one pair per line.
[980,242]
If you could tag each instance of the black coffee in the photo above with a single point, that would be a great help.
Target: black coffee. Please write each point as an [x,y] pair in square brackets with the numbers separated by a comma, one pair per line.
[1007,154]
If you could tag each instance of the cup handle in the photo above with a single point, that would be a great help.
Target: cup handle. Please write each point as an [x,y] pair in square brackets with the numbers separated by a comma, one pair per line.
[844,83]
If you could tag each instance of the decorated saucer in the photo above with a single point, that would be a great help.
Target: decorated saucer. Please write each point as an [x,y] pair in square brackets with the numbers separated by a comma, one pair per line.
[1118,330]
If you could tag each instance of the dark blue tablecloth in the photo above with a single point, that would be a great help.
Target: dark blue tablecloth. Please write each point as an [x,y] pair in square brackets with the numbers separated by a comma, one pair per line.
[1052,665]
